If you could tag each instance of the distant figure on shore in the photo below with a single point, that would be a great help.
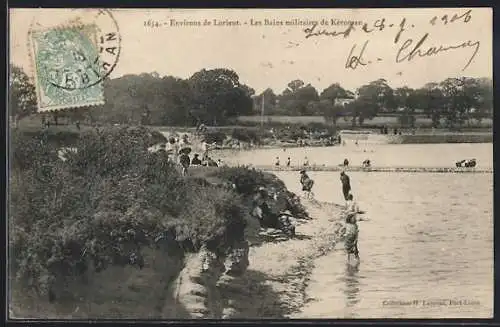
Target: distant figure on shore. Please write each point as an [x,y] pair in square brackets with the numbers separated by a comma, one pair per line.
[306,162]
[356,142]
[343,143]
[307,184]
[211,163]
[288,162]
[277,163]
[350,232]
[185,140]
[366,163]
[346,163]
[204,147]
[185,161]
[471,163]
[339,139]
[219,163]
[346,185]
[196,160]
[201,128]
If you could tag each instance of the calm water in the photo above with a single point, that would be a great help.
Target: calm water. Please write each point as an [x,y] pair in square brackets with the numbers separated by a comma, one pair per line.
[382,155]
[429,240]
[430,237]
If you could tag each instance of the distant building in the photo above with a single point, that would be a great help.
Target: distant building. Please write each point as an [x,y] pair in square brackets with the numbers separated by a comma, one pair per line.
[415,111]
[343,101]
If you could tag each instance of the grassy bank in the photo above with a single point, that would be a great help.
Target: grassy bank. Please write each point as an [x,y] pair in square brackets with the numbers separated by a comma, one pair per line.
[282,135]
[104,233]
[442,138]
[391,121]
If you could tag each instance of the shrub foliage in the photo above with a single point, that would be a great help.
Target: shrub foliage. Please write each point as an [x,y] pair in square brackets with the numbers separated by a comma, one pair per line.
[104,203]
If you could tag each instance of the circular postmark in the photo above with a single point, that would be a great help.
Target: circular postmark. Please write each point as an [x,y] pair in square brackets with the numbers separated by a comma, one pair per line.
[79,53]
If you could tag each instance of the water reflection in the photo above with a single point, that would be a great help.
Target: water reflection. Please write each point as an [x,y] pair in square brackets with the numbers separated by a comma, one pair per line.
[418,244]
[351,290]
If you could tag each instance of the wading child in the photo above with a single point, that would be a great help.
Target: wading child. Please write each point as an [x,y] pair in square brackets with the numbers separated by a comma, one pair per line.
[307,184]
[350,233]
[352,206]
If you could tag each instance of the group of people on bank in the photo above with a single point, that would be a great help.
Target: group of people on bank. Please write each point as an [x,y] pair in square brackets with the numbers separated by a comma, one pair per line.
[179,152]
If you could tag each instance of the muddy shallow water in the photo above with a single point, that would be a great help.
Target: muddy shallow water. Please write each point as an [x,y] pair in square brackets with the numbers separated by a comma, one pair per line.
[427,251]
[380,155]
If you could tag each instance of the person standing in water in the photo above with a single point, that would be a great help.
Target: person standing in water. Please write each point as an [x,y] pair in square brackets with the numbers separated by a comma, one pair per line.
[306,161]
[307,184]
[277,163]
[346,185]
[350,233]
[288,162]
[352,206]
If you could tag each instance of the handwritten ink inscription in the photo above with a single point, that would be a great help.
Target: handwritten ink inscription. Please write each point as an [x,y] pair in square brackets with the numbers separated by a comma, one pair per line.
[353,60]
[410,49]
[407,48]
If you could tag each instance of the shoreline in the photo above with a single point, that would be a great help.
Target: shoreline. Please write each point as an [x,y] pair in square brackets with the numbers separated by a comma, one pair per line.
[288,265]
[461,170]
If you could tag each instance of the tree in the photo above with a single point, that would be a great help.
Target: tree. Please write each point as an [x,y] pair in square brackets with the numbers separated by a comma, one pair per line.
[461,96]
[406,100]
[432,99]
[335,92]
[296,98]
[295,85]
[270,101]
[218,95]
[22,96]
[330,112]
[485,99]
[372,98]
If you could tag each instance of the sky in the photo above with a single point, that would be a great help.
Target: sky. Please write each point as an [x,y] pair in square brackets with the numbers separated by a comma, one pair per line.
[272,55]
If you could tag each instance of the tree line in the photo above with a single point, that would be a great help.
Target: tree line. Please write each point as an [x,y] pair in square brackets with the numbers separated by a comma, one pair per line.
[216,97]
[454,100]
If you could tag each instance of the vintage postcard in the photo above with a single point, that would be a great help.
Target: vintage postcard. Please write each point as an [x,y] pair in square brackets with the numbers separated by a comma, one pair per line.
[250,163]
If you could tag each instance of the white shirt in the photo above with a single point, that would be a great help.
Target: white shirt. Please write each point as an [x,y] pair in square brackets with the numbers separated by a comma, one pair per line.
[352,206]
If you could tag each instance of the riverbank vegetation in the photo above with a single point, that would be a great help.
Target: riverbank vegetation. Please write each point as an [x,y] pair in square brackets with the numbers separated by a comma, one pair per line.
[110,200]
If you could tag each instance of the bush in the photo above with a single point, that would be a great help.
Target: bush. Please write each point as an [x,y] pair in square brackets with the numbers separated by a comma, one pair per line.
[248,180]
[292,134]
[214,137]
[245,135]
[104,204]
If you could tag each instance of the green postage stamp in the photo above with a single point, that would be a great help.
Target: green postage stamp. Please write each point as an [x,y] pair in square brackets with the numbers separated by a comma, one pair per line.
[71,61]
[68,72]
